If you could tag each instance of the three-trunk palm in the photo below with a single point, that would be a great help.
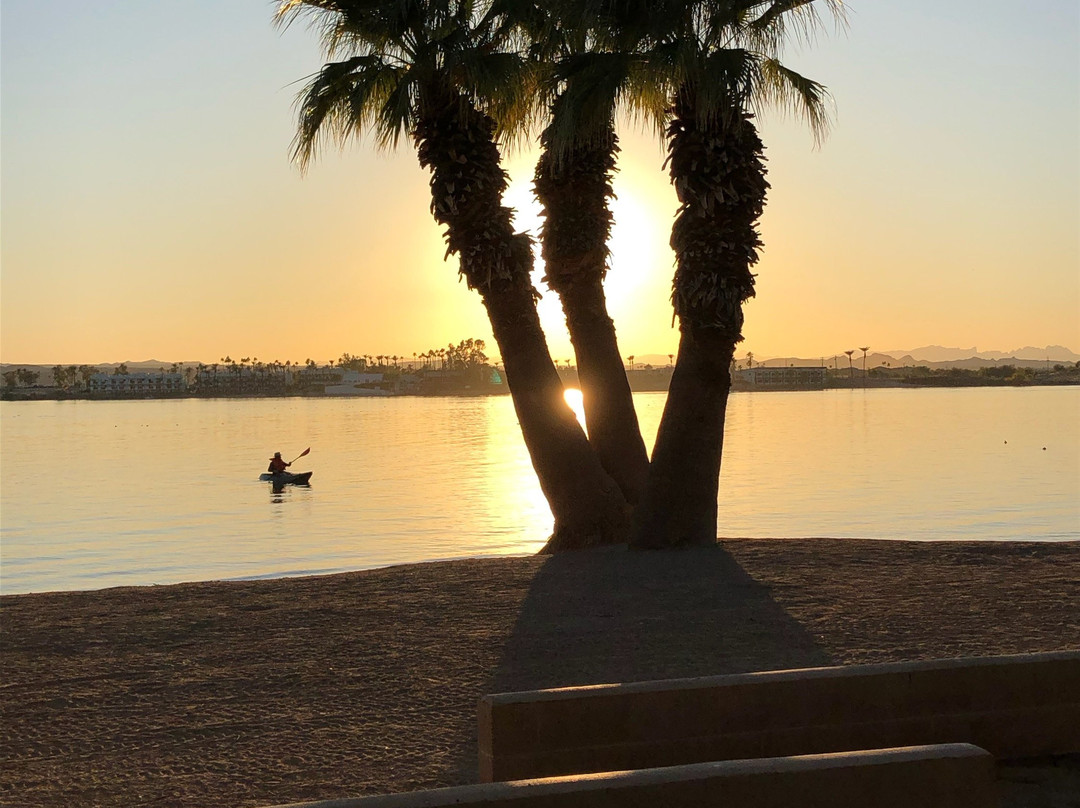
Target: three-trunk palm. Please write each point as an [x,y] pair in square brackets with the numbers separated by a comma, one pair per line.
[424,69]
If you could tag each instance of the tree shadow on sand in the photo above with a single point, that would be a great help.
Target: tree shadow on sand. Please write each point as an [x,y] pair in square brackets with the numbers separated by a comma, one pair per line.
[617,616]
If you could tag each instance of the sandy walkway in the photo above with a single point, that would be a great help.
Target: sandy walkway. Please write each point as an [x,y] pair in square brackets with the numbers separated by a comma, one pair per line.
[264,692]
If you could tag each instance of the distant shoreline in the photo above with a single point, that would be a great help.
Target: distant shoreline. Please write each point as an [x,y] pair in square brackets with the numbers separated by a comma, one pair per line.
[649,385]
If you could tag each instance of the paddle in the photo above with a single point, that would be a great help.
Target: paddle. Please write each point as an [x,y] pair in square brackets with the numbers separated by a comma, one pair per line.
[308,449]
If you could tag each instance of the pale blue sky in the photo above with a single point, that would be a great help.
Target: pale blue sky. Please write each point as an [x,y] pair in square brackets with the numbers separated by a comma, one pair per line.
[148,207]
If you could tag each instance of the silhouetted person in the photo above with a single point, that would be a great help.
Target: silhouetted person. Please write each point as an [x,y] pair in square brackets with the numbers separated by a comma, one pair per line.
[277,465]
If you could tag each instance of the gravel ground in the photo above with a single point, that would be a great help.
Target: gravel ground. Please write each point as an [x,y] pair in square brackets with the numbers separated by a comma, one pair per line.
[262,692]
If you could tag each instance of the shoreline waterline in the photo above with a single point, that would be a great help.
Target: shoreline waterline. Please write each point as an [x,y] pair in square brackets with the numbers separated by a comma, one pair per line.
[596,551]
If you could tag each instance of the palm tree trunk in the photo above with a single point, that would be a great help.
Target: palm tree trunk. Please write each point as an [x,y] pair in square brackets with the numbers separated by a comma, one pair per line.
[717,167]
[456,142]
[680,503]
[609,405]
[588,507]
[574,190]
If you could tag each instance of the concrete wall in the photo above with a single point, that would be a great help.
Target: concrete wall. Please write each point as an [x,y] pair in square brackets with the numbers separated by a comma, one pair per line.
[1019,706]
[950,776]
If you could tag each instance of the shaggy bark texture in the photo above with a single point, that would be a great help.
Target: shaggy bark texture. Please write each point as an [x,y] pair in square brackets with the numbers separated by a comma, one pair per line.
[717,167]
[575,189]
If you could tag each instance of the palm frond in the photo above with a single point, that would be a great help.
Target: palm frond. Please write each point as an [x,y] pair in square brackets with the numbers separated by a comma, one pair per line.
[504,85]
[345,99]
[785,19]
[787,90]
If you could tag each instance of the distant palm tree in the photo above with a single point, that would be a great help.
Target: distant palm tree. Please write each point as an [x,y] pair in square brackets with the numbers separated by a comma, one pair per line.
[851,369]
[864,350]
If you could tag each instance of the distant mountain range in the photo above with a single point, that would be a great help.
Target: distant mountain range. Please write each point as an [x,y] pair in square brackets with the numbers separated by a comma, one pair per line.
[929,355]
[937,353]
[936,356]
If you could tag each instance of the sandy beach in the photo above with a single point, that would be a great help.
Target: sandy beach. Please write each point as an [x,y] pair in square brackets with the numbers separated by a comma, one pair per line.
[262,692]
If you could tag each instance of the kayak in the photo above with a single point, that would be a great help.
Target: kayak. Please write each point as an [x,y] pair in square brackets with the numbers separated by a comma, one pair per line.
[286,477]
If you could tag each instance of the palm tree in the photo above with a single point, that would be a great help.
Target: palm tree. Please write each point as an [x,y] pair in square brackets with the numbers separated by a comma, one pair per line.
[434,71]
[864,350]
[85,372]
[723,58]
[595,58]
[850,367]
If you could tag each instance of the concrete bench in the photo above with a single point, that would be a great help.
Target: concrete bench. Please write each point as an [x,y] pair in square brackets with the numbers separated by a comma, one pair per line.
[946,776]
[1014,707]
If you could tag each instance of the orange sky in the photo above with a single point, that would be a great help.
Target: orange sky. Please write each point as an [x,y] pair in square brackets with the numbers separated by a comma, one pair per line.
[150,210]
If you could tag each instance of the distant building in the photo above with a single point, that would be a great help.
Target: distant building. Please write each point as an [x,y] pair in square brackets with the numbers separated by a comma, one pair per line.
[781,378]
[355,383]
[120,385]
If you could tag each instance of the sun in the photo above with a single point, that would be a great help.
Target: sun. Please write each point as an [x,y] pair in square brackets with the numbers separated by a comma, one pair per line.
[638,283]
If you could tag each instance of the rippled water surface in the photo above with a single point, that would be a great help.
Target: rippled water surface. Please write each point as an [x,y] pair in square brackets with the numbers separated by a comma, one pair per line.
[97,494]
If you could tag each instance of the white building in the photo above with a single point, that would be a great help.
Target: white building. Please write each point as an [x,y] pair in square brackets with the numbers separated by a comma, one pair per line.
[784,378]
[355,383]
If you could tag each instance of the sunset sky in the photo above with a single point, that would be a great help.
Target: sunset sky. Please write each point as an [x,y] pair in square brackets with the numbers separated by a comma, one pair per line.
[149,208]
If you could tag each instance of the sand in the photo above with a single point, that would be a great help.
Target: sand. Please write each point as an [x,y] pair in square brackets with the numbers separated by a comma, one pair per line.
[263,692]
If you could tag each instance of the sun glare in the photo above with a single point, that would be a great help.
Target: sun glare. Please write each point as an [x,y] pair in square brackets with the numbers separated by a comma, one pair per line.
[641,261]
[575,401]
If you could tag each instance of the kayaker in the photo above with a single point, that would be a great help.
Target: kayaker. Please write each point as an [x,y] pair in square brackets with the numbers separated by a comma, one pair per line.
[277,465]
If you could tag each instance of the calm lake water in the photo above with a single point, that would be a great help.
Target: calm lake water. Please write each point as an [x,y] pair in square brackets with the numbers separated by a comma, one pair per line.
[107,493]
